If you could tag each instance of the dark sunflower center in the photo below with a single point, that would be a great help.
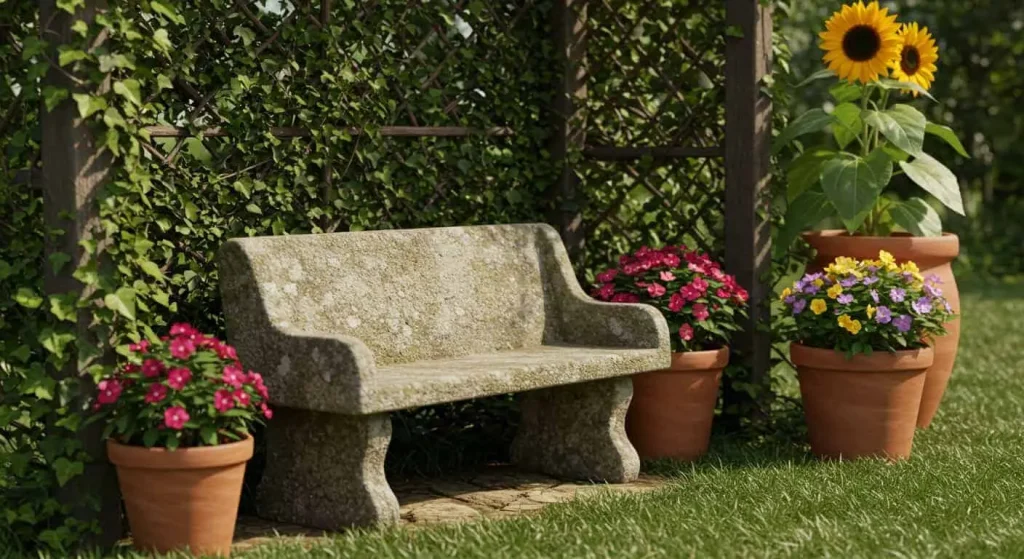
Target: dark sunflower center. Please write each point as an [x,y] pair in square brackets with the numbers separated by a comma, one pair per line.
[910,60]
[861,43]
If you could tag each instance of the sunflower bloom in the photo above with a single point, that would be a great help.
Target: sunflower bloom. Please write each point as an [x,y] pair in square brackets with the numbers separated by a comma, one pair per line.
[860,41]
[918,55]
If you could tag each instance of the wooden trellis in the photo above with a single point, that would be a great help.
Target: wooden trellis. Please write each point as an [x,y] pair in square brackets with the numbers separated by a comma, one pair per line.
[652,143]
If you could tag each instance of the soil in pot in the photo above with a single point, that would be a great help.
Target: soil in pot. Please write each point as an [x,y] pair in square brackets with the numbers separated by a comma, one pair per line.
[672,410]
[862,407]
[185,499]
[933,255]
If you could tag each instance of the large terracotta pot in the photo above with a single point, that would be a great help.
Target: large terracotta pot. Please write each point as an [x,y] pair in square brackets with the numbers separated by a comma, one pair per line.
[187,498]
[862,407]
[933,255]
[672,409]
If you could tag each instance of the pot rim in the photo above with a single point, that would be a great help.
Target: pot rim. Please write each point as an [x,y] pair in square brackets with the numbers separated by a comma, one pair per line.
[699,360]
[903,246]
[191,458]
[877,362]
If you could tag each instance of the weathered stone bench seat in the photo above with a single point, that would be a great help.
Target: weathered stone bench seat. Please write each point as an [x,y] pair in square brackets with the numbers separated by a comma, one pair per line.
[348,327]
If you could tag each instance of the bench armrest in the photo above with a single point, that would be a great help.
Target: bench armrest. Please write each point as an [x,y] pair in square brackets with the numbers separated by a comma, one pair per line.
[311,371]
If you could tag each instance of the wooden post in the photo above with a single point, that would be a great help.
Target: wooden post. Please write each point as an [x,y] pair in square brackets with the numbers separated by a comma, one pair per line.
[569,27]
[747,158]
[73,170]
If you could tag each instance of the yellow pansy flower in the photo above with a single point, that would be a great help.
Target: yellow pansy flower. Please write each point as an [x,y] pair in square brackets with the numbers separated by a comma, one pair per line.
[785,293]
[819,282]
[853,326]
[871,311]
[886,257]
[818,306]
[835,291]
[910,267]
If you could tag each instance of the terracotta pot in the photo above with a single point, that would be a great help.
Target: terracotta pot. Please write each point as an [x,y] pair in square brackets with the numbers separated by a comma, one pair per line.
[865,406]
[933,255]
[672,409]
[187,498]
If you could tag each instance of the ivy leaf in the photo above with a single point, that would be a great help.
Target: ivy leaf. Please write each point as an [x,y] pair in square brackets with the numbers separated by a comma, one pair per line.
[946,133]
[247,35]
[52,96]
[917,217]
[936,179]
[66,469]
[162,40]
[122,301]
[130,90]
[151,268]
[89,105]
[28,298]
[160,7]
[902,125]
[813,120]
[851,186]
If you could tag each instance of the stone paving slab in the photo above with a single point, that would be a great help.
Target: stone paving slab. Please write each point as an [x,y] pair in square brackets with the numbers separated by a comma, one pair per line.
[499,492]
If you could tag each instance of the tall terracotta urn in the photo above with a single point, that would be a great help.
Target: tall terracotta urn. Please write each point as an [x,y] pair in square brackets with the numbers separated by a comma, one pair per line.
[933,255]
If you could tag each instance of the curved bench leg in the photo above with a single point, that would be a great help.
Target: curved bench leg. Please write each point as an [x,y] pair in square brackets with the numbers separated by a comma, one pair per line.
[327,471]
[578,432]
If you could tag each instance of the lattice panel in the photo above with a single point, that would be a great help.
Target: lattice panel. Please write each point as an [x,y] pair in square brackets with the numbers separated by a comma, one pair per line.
[654,121]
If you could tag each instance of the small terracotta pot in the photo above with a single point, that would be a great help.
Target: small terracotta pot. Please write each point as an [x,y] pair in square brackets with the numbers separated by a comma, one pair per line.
[865,406]
[187,498]
[672,409]
[932,255]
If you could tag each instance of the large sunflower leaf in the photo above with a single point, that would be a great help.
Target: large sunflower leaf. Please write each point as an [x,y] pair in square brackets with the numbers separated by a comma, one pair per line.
[848,124]
[947,134]
[936,179]
[813,120]
[804,171]
[917,217]
[851,185]
[819,75]
[902,125]
[889,83]
[806,211]
[844,92]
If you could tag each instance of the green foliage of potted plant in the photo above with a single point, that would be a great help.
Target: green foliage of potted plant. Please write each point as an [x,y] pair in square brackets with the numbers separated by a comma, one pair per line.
[861,331]
[672,410]
[178,416]
[873,134]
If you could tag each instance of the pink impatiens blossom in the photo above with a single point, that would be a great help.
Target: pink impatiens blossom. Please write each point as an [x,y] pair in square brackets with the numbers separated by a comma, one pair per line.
[626,298]
[700,284]
[723,293]
[267,412]
[175,418]
[667,276]
[233,376]
[670,260]
[152,368]
[182,329]
[109,391]
[655,289]
[182,347]
[156,393]
[222,400]
[256,380]
[686,332]
[141,347]
[690,293]
[608,276]
[606,291]
[178,377]
[224,351]
[676,302]
[700,312]
[242,397]
[130,368]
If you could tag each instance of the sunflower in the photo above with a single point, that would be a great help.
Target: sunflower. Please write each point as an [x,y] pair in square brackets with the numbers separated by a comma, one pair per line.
[859,42]
[916,62]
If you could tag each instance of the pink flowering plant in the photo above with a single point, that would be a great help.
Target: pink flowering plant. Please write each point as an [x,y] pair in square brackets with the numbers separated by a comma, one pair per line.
[702,303]
[186,390]
[859,306]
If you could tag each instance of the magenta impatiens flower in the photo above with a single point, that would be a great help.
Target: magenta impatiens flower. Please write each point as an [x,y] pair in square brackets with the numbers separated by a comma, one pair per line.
[608,276]
[223,401]
[156,393]
[676,302]
[686,332]
[178,377]
[175,417]
[152,368]
[667,276]
[700,312]
[109,391]
[655,290]
[267,412]
[233,376]
[242,397]
[182,347]
[625,298]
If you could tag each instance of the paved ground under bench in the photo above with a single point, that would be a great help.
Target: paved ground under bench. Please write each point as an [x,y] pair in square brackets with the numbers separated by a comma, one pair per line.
[497,492]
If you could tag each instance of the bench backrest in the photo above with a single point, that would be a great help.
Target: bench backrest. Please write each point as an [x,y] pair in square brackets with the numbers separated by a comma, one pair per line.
[409,295]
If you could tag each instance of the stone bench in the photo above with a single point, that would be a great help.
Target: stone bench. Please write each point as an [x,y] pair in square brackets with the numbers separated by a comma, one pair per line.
[347,327]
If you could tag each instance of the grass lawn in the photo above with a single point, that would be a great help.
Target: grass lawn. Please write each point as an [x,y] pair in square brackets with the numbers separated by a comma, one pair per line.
[961,495]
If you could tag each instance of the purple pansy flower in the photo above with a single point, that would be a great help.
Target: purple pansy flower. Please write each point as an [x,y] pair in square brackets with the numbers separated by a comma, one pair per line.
[870,280]
[883,315]
[932,291]
[848,281]
[872,268]
[789,300]
[922,305]
[897,295]
[933,279]
[799,305]
[874,296]
[845,298]
[907,277]
[903,322]
[947,306]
